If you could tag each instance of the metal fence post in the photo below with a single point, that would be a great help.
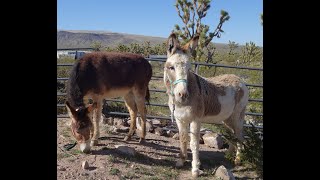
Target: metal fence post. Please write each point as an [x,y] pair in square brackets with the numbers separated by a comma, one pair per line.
[196,68]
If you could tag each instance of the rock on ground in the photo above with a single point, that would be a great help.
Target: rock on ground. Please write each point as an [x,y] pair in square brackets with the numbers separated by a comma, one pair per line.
[121,129]
[176,136]
[224,174]
[213,140]
[126,150]
[85,165]
[159,131]
[149,125]
[118,122]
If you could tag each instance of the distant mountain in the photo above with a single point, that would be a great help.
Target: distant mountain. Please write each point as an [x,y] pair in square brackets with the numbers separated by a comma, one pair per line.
[83,39]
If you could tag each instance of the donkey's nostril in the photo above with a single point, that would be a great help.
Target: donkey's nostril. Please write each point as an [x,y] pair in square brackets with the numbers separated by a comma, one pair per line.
[183,95]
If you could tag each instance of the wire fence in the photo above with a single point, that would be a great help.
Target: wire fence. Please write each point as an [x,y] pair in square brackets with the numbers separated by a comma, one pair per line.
[155,77]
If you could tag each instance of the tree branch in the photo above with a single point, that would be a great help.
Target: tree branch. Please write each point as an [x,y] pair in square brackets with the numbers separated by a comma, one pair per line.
[198,7]
[209,54]
[183,20]
[216,32]
[193,16]
[178,10]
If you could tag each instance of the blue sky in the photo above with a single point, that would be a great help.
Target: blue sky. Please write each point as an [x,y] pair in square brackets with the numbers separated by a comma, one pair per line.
[158,17]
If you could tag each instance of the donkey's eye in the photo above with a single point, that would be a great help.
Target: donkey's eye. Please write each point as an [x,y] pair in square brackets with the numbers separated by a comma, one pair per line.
[171,68]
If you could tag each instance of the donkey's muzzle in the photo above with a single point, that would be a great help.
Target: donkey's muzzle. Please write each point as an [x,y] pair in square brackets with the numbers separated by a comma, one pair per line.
[181,92]
[183,95]
[85,147]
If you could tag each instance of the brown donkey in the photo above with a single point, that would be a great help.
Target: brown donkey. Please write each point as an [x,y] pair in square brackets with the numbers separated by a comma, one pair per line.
[101,75]
[194,99]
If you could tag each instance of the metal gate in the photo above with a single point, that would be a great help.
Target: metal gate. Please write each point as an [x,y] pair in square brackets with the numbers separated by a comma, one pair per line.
[162,60]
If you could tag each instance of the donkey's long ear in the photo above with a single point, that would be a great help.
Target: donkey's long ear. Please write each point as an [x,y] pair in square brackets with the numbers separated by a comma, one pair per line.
[71,110]
[172,44]
[192,44]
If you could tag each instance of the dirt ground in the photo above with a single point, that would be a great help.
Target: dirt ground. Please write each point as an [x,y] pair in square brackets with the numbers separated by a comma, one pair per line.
[154,160]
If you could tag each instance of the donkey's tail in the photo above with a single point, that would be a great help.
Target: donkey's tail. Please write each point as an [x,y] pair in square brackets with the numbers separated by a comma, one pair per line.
[147,98]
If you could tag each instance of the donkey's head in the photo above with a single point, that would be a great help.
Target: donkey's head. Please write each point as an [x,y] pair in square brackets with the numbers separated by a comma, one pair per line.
[81,124]
[177,67]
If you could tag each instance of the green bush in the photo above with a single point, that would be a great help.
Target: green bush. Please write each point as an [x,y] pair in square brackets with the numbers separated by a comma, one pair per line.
[252,152]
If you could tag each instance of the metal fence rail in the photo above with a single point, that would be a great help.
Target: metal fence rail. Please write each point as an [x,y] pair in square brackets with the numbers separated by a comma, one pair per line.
[74,49]
[249,85]
[196,64]
[163,91]
[208,64]
[148,116]
[163,105]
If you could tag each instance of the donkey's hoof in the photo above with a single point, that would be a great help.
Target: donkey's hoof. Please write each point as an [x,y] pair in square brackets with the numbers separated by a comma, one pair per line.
[94,142]
[179,163]
[142,141]
[127,138]
[195,173]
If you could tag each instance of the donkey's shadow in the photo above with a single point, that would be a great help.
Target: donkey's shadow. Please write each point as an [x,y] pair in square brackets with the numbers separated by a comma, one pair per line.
[209,159]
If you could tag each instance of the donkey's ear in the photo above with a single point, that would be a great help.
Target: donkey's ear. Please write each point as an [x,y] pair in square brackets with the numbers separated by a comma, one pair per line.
[172,44]
[71,110]
[192,44]
[91,107]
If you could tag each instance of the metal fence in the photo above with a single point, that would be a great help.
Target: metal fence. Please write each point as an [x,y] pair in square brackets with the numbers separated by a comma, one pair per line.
[162,60]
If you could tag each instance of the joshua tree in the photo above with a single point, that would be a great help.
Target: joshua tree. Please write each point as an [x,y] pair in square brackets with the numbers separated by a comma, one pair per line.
[191,14]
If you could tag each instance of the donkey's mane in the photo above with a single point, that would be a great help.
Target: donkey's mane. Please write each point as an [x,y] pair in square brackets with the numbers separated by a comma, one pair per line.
[74,93]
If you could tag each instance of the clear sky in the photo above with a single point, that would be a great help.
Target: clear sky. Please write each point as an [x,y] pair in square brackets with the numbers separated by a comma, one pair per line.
[158,17]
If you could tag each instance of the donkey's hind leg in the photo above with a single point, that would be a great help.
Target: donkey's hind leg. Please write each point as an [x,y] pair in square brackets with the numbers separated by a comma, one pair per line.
[239,134]
[131,105]
[96,120]
[140,102]
[235,123]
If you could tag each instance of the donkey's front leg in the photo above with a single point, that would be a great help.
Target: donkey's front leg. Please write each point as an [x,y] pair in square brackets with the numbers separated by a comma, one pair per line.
[96,119]
[194,146]
[183,138]
[86,102]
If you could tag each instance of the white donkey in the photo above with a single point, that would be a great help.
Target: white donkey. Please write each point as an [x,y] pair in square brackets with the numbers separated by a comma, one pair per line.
[194,99]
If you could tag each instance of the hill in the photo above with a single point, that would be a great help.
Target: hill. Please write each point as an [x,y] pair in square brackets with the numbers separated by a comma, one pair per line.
[83,39]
